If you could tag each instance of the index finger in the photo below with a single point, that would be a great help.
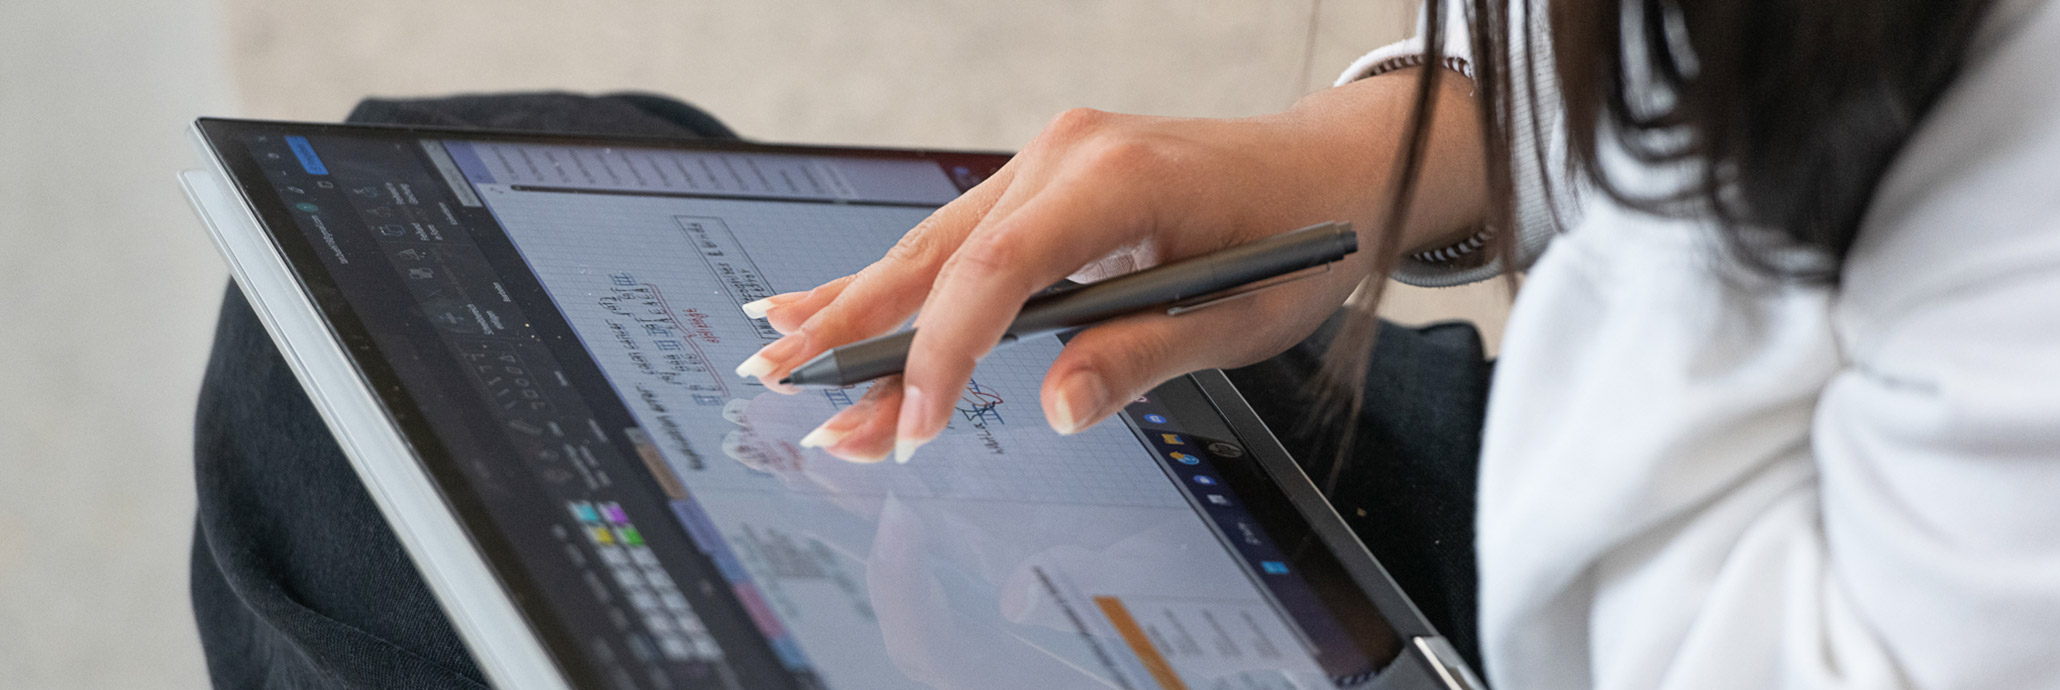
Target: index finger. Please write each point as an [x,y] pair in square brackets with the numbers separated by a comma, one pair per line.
[880,296]
[981,288]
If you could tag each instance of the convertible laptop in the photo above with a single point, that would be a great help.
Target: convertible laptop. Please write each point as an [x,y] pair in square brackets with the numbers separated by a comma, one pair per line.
[522,341]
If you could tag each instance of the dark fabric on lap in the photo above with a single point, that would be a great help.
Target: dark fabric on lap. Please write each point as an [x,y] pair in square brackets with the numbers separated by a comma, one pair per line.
[297,581]
[633,114]
[1408,489]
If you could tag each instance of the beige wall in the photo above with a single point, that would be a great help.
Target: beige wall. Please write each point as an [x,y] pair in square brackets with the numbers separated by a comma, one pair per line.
[108,290]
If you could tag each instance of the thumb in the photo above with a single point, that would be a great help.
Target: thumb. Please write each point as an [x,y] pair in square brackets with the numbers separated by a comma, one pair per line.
[1106,367]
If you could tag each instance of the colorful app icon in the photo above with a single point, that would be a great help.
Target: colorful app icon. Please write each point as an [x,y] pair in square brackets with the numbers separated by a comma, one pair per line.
[584,512]
[1173,439]
[1185,459]
[1273,567]
[1155,419]
[1218,499]
[1205,480]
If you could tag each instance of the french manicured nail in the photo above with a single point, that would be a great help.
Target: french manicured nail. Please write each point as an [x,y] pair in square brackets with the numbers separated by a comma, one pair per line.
[757,309]
[840,426]
[1062,417]
[755,366]
[824,436]
[764,362]
[912,431]
[1080,395]
[905,448]
[865,459]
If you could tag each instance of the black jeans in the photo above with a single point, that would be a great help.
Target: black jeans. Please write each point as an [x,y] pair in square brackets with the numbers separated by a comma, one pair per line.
[297,581]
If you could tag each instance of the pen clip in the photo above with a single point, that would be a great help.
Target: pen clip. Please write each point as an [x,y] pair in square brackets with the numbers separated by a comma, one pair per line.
[1247,290]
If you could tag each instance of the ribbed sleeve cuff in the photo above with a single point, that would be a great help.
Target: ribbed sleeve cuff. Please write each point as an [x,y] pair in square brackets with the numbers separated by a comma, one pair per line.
[1456,264]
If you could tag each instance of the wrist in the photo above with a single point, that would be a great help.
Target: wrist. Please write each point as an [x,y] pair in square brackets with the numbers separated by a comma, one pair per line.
[1357,133]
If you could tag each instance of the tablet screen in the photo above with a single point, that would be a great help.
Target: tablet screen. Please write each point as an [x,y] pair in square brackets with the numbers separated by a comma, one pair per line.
[553,323]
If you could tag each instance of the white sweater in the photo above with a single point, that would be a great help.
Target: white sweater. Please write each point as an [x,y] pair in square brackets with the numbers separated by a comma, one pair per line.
[1688,483]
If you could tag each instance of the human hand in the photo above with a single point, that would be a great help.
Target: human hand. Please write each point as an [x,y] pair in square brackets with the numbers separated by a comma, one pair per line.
[1097,195]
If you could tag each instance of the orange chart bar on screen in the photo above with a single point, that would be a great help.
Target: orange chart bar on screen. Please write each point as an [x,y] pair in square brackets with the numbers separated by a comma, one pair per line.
[1134,635]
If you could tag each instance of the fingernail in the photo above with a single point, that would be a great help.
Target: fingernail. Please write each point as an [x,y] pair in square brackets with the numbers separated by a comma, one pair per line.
[754,366]
[905,448]
[1081,394]
[915,417]
[912,431]
[864,459]
[764,362]
[824,436]
[1062,417]
[758,308]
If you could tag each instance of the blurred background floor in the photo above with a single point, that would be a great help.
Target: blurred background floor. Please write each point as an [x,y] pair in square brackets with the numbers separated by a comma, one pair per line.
[108,286]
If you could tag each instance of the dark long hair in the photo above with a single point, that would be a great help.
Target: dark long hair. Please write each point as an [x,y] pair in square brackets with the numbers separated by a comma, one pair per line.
[1788,111]
[1791,109]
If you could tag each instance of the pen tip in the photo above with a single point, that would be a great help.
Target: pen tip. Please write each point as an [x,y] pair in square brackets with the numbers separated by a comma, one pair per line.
[786,380]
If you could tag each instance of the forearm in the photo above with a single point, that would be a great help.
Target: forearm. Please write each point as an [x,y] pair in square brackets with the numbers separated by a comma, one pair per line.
[1359,133]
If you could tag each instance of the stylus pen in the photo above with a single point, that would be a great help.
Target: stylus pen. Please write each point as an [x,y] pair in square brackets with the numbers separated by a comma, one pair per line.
[1177,287]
